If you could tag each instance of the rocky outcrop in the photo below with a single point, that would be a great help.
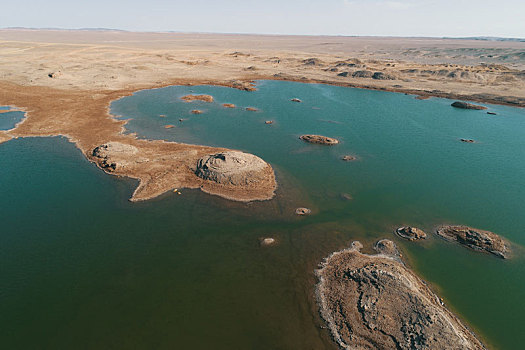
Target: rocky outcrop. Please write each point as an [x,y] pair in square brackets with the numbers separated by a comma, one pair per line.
[465,105]
[476,239]
[383,76]
[203,98]
[251,109]
[265,242]
[312,62]
[410,233]
[296,100]
[318,139]
[363,74]
[376,302]
[112,154]
[228,105]
[343,74]
[196,111]
[268,122]
[232,167]
[467,140]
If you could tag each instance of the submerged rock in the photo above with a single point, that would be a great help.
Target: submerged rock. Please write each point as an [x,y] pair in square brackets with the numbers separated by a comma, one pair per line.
[196,111]
[410,233]
[492,113]
[465,105]
[467,140]
[251,109]
[318,139]
[267,241]
[348,158]
[233,168]
[476,239]
[228,105]
[376,302]
[296,100]
[203,98]
[303,211]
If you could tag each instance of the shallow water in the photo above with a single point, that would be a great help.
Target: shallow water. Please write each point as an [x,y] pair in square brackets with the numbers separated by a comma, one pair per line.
[8,120]
[80,266]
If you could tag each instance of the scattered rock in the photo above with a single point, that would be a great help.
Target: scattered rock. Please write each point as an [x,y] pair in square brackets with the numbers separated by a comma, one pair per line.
[422,97]
[376,302]
[232,167]
[169,126]
[296,100]
[203,98]
[383,76]
[318,139]
[303,211]
[196,111]
[467,140]
[55,74]
[492,113]
[349,158]
[162,116]
[252,68]
[475,239]
[251,109]
[268,122]
[410,233]
[465,105]
[343,74]
[228,105]
[181,120]
[267,241]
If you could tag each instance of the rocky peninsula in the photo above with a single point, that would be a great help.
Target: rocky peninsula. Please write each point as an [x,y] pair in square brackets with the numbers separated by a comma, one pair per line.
[376,302]
[476,239]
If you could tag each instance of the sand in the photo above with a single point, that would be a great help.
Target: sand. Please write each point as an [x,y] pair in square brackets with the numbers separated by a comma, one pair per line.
[65,81]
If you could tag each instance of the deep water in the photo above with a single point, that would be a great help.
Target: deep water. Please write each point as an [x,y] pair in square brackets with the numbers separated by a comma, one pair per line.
[81,267]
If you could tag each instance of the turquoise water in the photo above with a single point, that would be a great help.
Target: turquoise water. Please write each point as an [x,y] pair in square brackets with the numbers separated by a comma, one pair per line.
[81,267]
[8,120]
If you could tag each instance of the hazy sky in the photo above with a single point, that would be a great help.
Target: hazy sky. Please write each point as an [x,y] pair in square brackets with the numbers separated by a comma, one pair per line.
[335,17]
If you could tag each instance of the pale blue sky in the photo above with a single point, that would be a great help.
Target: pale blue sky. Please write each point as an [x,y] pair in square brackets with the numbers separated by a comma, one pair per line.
[504,18]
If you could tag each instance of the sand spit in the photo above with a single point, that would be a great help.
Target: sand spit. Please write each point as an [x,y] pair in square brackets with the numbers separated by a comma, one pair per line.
[376,302]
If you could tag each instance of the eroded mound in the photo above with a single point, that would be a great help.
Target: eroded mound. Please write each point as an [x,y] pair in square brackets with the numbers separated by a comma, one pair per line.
[411,233]
[232,167]
[375,302]
[475,239]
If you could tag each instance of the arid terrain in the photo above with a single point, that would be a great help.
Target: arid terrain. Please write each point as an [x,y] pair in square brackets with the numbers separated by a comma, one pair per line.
[65,81]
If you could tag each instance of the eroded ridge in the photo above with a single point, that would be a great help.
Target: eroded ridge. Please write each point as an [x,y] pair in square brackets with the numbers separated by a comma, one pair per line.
[376,302]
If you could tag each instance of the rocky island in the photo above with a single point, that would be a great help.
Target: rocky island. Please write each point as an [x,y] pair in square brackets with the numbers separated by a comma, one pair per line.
[410,233]
[376,302]
[320,140]
[475,239]
[465,105]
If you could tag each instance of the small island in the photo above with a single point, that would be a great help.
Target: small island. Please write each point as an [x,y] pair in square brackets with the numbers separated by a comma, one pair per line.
[320,140]
[203,98]
[475,239]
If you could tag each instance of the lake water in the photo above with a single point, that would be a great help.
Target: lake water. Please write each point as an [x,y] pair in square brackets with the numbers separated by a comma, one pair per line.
[81,267]
[8,120]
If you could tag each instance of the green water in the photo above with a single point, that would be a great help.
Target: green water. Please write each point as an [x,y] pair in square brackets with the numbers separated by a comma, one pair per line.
[81,267]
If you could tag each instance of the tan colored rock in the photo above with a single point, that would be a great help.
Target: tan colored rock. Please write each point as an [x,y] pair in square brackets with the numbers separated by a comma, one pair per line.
[303,211]
[318,139]
[410,233]
[203,98]
[228,105]
[476,239]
